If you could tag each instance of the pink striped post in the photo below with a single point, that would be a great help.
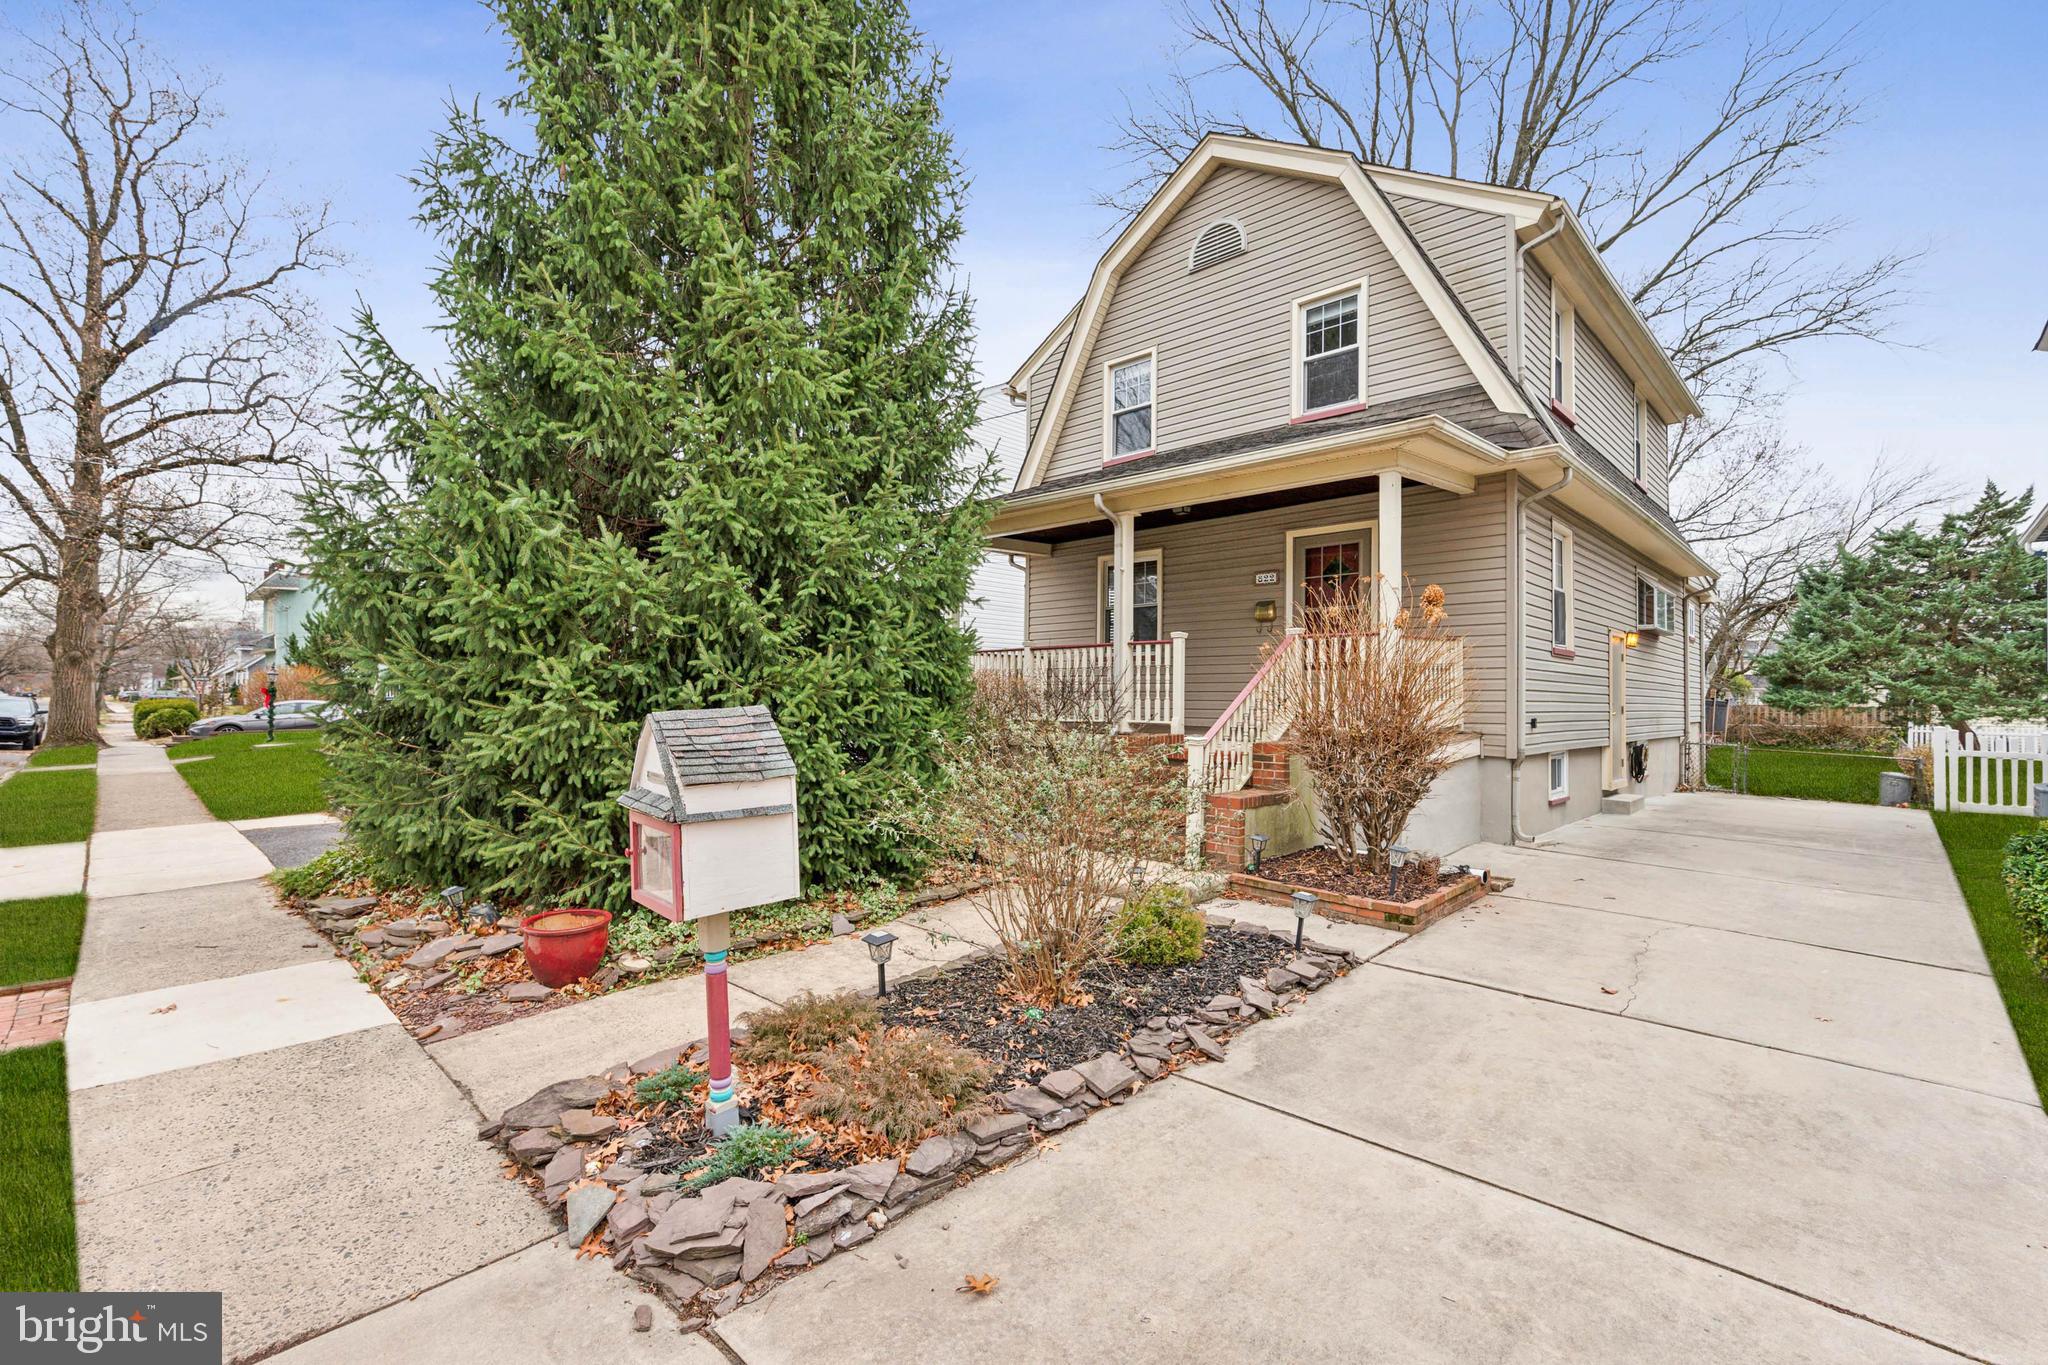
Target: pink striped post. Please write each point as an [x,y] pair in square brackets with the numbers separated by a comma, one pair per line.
[722,1105]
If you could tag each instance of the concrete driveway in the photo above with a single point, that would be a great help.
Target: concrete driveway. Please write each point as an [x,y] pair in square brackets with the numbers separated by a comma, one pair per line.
[1726,1080]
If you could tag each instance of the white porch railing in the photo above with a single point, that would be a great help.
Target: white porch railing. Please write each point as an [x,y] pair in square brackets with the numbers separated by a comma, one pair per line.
[1158,682]
[1994,782]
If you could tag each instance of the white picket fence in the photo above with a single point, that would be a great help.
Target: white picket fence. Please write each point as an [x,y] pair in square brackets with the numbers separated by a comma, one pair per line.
[1988,780]
[1989,738]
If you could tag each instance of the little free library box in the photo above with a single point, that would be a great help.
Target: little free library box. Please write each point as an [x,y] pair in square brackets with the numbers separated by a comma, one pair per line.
[712,809]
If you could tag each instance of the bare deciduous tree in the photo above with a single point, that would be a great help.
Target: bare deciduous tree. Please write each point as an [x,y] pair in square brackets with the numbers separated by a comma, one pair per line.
[1696,202]
[1376,712]
[1060,812]
[1757,590]
[154,348]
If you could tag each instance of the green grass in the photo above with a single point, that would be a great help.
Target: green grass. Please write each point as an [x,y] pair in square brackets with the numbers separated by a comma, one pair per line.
[39,938]
[1816,774]
[47,808]
[68,754]
[243,782]
[1976,850]
[38,1234]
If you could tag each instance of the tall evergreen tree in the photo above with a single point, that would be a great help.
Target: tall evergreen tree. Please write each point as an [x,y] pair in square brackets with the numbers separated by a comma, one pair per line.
[699,445]
[1939,624]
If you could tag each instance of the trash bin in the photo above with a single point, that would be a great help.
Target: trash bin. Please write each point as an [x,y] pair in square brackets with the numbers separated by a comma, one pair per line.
[2041,799]
[1895,789]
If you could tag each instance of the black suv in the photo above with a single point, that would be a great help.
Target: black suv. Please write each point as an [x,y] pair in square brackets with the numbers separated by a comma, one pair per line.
[21,722]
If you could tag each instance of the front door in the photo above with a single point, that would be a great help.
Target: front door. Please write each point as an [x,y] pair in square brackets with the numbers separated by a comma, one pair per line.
[1330,569]
[1617,713]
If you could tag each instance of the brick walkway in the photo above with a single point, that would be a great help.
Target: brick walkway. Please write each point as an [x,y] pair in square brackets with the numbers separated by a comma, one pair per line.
[33,1016]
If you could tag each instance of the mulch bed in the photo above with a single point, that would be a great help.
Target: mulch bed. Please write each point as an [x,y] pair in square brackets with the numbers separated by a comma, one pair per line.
[473,998]
[967,1003]
[1321,869]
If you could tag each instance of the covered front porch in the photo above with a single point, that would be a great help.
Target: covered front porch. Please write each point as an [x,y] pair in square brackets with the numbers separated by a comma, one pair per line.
[1226,563]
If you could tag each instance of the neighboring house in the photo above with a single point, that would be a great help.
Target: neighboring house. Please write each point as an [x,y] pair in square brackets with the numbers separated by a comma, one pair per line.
[1292,369]
[995,607]
[289,598]
[250,648]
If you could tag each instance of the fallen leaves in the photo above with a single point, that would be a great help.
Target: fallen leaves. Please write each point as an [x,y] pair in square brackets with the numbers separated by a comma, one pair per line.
[166,1009]
[978,1284]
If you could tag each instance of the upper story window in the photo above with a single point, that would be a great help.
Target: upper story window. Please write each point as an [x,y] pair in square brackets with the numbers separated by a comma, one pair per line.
[1331,356]
[1560,588]
[1563,353]
[1642,428]
[1130,408]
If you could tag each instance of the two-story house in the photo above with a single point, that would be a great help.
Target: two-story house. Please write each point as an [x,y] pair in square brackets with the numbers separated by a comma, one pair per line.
[289,598]
[1292,370]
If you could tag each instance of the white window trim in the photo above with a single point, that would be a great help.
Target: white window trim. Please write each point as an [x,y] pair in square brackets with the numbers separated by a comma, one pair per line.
[1298,350]
[1109,455]
[1311,532]
[1642,436]
[1101,599]
[1658,592]
[1556,764]
[1564,352]
[1569,561]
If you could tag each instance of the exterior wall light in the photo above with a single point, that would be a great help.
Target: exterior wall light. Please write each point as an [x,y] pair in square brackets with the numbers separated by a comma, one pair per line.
[880,943]
[1304,906]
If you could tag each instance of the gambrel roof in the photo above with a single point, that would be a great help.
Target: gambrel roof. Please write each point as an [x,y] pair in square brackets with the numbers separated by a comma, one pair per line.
[699,748]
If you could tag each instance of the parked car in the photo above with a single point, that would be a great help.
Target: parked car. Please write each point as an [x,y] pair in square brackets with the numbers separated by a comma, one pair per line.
[291,715]
[21,721]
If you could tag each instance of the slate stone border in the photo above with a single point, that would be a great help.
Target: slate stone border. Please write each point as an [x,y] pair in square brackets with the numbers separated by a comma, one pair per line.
[704,1252]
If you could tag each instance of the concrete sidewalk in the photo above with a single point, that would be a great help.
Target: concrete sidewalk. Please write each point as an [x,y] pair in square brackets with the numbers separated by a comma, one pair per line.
[1724,1081]
[245,1116]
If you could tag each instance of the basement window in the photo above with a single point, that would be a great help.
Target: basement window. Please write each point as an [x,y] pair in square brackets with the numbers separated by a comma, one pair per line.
[1560,778]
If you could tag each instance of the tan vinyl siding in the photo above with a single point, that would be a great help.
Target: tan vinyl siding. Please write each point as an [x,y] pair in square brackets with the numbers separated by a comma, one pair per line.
[1224,334]
[1536,331]
[1657,460]
[1041,382]
[1207,589]
[1471,248]
[1604,402]
[1567,698]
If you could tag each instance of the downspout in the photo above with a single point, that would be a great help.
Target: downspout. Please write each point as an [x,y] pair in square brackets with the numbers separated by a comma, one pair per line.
[1518,655]
[1518,319]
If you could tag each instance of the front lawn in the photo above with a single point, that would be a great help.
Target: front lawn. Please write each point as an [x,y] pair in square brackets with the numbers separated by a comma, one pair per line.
[239,781]
[39,938]
[1816,774]
[66,756]
[1976,850]
[47,808]
[38,1235]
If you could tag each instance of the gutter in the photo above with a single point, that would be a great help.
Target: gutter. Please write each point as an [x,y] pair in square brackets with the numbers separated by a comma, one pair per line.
[1518,654]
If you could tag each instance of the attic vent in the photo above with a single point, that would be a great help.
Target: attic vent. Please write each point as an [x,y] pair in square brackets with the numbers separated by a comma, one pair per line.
[1219,242]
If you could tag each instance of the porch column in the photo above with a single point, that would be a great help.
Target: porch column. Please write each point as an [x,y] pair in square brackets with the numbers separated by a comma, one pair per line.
[1123,615]
[1388,537]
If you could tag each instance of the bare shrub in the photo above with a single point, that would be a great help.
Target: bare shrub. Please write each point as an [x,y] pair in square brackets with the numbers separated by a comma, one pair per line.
[903,1085]
[1375,715]
[806,1026]
[1038,786]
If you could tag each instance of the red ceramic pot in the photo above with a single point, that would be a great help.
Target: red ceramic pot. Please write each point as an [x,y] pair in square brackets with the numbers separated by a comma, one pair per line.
[565,945]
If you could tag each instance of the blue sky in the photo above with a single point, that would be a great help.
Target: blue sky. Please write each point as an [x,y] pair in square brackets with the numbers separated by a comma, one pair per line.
[342,98]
